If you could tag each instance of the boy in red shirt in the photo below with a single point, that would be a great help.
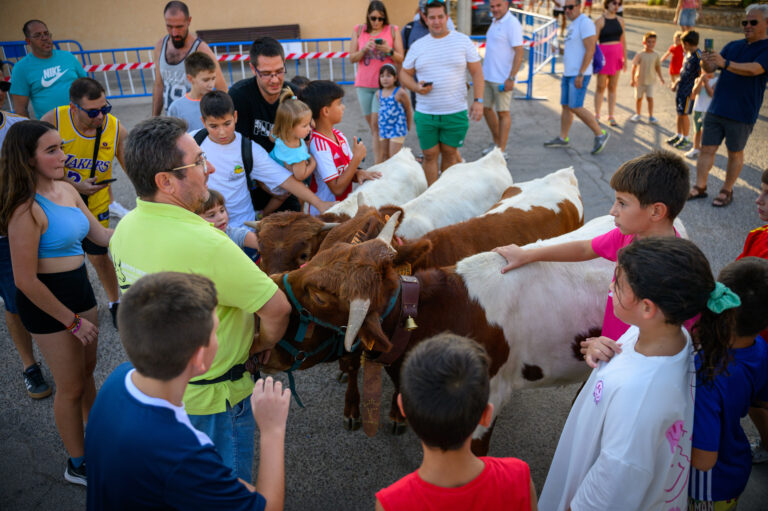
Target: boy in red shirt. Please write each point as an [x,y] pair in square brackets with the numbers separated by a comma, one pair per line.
[444,394]
[337,165]
[756,245]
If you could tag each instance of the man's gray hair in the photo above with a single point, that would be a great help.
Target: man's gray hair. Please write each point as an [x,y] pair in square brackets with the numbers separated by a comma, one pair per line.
[763,8]
[152,147]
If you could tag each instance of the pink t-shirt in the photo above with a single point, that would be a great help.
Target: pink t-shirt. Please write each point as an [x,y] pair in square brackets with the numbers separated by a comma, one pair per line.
[607,246]
[368,68]
[504,485]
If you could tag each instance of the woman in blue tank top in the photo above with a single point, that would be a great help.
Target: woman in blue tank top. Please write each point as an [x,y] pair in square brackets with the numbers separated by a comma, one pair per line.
[46,221]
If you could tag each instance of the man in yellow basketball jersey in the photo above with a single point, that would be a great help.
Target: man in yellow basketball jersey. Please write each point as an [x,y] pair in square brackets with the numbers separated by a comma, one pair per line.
[91,133]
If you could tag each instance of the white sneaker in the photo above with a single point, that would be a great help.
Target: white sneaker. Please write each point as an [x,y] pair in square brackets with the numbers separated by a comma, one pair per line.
[653,120]
[759,455]
[118,210]
[692,154]
[635,118]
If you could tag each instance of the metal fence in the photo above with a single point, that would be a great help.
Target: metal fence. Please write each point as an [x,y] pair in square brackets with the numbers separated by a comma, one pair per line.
[129,72]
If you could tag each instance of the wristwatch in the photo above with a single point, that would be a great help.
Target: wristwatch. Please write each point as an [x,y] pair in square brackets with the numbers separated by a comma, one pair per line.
[727,63]
[478,100]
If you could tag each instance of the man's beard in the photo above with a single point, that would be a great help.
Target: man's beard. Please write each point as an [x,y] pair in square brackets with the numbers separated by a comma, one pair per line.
[179,43]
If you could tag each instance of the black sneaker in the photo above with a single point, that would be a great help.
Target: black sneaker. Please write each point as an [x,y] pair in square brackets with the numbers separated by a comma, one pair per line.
[75,475]
[113,311]
[673,140]
[37,388]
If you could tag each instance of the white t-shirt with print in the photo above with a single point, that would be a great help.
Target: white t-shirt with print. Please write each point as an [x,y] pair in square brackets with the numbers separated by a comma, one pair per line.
[229,178]
[627,441]
[573,55]
[443,62]
[502,37]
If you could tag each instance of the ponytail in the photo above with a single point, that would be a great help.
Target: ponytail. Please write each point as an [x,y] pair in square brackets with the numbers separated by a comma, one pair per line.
[289,112]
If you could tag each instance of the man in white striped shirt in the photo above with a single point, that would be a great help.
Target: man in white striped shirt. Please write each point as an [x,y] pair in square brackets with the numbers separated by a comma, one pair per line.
[441,60]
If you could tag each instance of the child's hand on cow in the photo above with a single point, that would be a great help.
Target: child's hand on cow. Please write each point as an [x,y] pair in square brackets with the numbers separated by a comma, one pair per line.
[514,255]
[600,348]
[270,403]
[365,175]
[326,205]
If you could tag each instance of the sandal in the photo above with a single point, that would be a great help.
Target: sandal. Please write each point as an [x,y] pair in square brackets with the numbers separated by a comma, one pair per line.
[700,192]
[723,198]
[612,122]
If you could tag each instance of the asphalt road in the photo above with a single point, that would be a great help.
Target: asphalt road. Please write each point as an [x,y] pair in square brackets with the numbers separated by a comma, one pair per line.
[330,468]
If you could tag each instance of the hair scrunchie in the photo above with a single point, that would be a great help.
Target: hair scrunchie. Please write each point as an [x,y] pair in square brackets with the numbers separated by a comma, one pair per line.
[722,298]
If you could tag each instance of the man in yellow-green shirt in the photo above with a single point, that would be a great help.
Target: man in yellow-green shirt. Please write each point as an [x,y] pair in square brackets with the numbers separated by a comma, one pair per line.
[169,172]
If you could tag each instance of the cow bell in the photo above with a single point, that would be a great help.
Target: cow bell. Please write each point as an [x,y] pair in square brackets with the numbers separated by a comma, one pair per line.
[410,324]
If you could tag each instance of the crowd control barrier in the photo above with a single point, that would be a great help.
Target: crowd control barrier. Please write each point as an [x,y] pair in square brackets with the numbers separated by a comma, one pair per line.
[540,40]
[129,72]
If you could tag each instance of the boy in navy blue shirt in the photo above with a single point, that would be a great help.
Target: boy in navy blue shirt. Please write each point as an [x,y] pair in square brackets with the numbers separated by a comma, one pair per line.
[684,87]
[140,449]
[721,459]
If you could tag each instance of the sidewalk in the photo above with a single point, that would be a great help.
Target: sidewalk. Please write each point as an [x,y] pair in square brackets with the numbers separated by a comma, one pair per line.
[330,468]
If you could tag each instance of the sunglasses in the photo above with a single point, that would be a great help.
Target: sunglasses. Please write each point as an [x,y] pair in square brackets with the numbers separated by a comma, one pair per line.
[94,112]
[569,7]
[744,23]
[376,18]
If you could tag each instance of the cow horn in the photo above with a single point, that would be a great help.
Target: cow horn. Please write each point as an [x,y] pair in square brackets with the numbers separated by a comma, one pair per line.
[360,200]
[389,229]
[358,309]
[329,225]
[255,225]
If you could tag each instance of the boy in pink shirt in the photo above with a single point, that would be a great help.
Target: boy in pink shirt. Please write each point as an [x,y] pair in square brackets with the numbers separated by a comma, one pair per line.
[650,193]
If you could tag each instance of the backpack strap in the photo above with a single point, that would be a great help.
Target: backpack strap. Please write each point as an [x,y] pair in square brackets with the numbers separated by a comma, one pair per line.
[200,136]
[246,152]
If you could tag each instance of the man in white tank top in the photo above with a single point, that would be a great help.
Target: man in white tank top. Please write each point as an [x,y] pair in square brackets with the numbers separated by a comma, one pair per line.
[170,78]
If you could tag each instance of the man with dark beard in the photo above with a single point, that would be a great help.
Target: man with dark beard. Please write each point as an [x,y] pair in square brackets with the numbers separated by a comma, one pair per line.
[170,78]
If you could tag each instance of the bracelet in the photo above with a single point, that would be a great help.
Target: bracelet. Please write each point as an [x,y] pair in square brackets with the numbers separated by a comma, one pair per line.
[79,322]
[74,322]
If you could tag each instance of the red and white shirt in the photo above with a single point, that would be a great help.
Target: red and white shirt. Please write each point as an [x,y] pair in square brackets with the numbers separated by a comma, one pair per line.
[332,157]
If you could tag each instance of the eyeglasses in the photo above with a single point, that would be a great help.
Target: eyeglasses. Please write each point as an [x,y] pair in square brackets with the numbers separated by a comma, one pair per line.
[376,18]
[750,22]
[569,7]
[94,112]
[269,76]
[40,35]
[202,161]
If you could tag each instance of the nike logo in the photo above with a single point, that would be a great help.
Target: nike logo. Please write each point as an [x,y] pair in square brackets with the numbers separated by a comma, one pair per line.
[51,75]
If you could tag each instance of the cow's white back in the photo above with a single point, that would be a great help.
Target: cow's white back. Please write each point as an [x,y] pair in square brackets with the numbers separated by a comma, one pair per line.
[464,191]
[402,180]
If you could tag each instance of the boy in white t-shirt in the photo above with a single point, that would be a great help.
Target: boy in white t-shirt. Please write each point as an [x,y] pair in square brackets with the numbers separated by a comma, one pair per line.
[703,89]
[223,148]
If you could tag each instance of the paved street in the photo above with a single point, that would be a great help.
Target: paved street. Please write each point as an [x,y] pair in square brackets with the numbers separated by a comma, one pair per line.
[330,468]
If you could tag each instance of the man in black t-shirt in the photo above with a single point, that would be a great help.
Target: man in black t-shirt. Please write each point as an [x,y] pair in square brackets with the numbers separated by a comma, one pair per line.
[256,100]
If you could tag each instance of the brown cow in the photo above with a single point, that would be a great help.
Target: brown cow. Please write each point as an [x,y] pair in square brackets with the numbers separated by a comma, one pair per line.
[529,320]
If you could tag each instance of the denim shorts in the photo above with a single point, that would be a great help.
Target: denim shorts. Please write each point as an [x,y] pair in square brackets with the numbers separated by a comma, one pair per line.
[232,433]
[7,285]
[687,18]
[570,95]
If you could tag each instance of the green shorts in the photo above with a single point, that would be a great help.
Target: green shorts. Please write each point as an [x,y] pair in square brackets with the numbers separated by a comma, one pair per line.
[448,129]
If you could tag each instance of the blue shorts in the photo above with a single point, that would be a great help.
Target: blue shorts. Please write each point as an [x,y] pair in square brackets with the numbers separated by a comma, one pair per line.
[687,18]
[683,104]
[570,95]
[7,285]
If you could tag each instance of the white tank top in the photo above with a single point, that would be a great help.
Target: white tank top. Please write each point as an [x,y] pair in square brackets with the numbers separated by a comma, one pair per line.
[175,83]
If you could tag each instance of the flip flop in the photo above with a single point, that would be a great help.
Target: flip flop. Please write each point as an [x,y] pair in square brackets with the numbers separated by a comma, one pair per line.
[723,198]
[701,193]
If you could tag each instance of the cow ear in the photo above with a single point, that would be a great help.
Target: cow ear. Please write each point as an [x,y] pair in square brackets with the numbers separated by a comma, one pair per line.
[412,252]
[389,210]
[372,335]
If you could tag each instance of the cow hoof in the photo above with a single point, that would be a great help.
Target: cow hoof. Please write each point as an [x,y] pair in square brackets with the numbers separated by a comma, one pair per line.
[352,423]
[399,428]
[342,377]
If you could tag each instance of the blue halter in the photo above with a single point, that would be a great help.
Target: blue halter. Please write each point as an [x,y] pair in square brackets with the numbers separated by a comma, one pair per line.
[335,341]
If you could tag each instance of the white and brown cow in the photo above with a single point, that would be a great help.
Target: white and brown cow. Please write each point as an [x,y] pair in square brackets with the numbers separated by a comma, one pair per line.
[529,320]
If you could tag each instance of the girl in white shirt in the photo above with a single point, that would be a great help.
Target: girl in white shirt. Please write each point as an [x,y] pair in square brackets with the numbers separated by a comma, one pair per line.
[627,441]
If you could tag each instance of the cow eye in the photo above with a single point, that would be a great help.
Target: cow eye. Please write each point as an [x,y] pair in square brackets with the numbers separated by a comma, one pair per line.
[317,297]
[303,257]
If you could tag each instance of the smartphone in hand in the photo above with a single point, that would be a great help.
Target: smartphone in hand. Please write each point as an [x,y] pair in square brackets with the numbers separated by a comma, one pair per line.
[709,44]
[105,181]
[378,41]
[427,84]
